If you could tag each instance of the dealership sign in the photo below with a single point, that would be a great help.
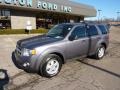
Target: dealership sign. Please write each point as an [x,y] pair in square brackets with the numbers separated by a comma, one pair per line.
[39,4]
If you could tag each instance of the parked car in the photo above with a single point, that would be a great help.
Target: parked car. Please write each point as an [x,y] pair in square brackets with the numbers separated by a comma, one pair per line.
[45,54]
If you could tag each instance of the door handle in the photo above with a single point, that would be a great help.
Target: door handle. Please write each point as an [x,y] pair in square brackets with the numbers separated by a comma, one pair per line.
[98,38]
[83,40]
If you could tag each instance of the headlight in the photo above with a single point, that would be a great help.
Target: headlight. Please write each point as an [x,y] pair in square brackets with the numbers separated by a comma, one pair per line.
[27,52]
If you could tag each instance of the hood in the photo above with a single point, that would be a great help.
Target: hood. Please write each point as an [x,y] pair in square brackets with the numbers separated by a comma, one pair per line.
[36,41]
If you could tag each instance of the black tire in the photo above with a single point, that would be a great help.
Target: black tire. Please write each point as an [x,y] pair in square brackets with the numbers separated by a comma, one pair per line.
[97,56]
[49,58]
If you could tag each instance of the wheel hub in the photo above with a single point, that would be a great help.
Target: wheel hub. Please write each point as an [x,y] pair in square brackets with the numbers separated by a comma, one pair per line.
[52,67]
[101,52]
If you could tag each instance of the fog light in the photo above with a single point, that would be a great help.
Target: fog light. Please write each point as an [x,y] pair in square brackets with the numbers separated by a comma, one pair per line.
[26,64]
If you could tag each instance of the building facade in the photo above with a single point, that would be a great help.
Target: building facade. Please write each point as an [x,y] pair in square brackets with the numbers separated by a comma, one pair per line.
[15,14]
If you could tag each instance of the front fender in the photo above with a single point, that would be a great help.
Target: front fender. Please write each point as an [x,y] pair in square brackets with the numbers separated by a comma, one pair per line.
[40,59]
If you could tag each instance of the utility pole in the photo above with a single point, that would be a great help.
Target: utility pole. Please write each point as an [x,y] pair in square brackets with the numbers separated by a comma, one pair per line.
[99,14]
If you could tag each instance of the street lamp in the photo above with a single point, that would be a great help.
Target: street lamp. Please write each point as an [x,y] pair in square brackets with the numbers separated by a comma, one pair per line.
[99,13]
[118,18]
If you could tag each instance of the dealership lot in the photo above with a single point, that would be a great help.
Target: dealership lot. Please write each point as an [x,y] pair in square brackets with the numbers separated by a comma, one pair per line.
[85,74]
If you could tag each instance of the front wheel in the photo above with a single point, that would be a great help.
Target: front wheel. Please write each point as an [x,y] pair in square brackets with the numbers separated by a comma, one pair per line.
[100,53]
[52,65]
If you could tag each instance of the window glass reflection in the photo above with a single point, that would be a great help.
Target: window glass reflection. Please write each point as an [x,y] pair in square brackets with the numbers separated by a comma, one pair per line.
[0,13]
[4,12]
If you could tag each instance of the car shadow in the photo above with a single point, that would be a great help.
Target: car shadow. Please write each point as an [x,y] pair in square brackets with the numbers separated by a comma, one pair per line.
[4,78]
[83,61]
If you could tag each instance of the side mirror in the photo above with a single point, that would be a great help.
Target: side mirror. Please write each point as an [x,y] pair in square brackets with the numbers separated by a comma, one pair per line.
[71,38]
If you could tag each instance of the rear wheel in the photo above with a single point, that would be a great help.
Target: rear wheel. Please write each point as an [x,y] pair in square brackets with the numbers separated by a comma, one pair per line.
[52,65]
[100,53]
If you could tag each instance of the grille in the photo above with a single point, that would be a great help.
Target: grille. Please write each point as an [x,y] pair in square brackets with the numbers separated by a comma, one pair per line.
[18,47]
[18,50]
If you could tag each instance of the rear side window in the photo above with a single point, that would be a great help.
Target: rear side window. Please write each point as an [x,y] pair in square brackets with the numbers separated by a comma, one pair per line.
[92,31]
[102,29]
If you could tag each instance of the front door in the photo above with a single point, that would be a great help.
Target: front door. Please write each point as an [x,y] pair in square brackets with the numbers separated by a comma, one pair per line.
[79,45]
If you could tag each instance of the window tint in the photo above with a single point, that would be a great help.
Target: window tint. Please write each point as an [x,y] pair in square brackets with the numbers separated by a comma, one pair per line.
[79,32]
[92,31]
[102,29]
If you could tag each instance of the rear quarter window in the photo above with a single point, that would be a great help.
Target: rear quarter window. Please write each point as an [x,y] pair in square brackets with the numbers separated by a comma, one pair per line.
[102,29]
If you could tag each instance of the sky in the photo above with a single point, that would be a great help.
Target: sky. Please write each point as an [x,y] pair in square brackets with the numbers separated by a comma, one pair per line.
[109,7]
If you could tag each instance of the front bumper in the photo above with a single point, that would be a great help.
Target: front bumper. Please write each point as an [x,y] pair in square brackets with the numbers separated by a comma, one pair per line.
[24,63]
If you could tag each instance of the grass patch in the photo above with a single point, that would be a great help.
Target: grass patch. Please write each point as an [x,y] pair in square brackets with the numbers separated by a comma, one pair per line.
[21,31]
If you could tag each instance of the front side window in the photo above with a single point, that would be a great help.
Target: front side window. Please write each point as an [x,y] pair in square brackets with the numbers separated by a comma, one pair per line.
[79,32]
[60,31]
[92,31]
[102,29]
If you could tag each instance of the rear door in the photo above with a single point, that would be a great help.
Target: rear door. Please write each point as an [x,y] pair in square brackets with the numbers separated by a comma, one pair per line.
[94,38]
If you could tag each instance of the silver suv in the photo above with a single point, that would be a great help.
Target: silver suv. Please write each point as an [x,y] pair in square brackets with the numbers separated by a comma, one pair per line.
[45,54]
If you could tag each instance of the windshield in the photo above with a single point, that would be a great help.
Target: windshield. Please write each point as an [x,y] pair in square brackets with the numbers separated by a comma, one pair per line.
[59,31]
